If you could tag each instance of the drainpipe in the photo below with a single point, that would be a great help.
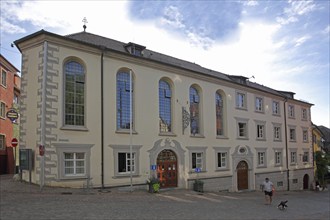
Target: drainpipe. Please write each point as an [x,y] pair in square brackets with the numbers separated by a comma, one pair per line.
[286,145]
[102,124]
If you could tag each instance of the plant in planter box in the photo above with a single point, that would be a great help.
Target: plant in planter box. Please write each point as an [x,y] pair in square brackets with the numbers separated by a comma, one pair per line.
[154,184]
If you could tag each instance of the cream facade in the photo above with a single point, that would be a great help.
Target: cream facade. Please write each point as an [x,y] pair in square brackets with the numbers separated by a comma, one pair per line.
[188,122]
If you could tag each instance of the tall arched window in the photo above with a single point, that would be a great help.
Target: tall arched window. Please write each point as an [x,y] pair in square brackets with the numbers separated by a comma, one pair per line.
[123,100]
[194,111]
[74,94]
[165,107]
[219,113]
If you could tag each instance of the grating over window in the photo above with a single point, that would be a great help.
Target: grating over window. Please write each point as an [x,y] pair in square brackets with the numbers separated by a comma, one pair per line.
[123,100]
[74,94]
[194,111]
[219,113]
[165,106]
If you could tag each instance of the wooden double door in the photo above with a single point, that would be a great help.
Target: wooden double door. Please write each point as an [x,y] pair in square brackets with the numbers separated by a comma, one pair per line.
[167,171]
[242,176]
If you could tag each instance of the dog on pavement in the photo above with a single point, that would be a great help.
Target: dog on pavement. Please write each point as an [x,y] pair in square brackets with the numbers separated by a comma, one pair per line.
[282,205]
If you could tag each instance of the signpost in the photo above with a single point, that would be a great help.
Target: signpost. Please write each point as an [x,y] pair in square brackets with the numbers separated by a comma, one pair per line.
[12,114]
[14,143]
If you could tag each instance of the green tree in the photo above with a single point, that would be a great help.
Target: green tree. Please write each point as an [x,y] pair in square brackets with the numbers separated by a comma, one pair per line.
[322,163]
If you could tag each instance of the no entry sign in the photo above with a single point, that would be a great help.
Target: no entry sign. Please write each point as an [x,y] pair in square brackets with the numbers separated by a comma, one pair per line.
[14,142]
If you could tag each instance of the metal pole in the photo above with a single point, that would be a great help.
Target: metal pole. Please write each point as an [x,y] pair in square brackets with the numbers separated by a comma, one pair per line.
[43,116]
[130,128]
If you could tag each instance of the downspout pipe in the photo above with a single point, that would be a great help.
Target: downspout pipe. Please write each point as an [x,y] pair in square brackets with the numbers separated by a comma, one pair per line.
[102,123]
[286,145]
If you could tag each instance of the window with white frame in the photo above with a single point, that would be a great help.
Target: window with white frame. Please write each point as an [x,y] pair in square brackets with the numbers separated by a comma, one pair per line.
[2,141]
[241,100]
[305,157]
[293,157]
[2,110]
[3,78]
[259,104]
[165,107]
[304,114]
[123,162]
[74,160]
[276,108]
[194,98]
[126,163]
[221,158]
[74,99]
[197,158]
[292,133]
[277,132]
[291,111]
[74,164]
[125,90]
[278,157]
[242,128]
[261,130]
[305,135]
[261,159]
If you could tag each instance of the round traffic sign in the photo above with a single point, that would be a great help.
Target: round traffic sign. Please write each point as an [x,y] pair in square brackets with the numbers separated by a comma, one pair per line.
[14,142]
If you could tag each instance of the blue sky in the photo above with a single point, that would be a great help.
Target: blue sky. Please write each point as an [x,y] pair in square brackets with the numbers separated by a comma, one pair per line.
[283,44]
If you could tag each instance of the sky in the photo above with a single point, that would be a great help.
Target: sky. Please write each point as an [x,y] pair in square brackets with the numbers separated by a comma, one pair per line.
[284,44]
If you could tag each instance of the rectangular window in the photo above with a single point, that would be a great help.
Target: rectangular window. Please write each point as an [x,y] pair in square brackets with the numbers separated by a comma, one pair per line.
[293,156]
[278,158]
[197,160]
[260,131]
[222,159]
[74,164]
[277,133]
[2,110]
[292,134]
[304,114]
[291,111]
[242,130]
[259,104]
[261,158]
[241,100]
[4,78]
[280,183]
[2,141]
[125,163]
[305,157]
[276,108]
[305,135]
[295,181]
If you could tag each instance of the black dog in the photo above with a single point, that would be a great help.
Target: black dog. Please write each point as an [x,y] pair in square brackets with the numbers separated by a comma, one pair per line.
[282,205]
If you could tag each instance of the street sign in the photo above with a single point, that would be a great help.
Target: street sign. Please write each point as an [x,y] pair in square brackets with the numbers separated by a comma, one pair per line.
[14,142]
[41,150]
[12,114]
[153,167]
[198,170]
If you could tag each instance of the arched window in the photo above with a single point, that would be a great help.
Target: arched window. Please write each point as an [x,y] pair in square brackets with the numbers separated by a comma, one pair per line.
[123,100]
[219,113]
[74,94]
[194,111]
[165,107]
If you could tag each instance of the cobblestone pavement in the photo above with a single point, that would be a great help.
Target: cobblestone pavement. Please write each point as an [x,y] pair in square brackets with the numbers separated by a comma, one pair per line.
[20,200]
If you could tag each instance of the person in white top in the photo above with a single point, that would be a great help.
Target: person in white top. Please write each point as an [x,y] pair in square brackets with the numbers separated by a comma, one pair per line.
[268,187]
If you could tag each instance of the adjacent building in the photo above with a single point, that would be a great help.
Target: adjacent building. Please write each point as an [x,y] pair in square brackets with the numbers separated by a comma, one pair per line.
[114,114]
[9,96]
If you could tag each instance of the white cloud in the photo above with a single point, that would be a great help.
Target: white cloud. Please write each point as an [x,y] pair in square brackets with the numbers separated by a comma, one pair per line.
[326,30]
[251,3]
[172,17]
[9,28]
[297,8]
[301,40]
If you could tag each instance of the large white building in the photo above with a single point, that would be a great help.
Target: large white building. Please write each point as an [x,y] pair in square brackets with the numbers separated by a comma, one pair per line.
[77,91]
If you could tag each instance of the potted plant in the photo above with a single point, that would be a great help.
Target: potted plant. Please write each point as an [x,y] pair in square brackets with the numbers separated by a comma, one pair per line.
[154,184]
[198,185]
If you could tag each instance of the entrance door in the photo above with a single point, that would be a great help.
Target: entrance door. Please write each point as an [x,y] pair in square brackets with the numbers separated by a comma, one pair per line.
[167,169]
[306,180]
[242,176]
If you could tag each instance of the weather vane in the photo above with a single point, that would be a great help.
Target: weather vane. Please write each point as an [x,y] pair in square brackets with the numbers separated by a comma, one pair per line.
[85,22]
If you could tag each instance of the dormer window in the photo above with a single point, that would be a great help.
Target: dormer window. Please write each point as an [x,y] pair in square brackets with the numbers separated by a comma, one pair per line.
[135,49]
